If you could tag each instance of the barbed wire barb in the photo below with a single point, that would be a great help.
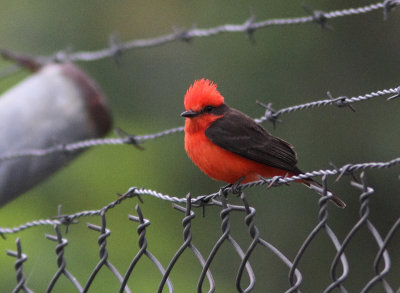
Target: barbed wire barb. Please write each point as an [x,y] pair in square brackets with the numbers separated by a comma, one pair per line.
[318,17]
[396,95]
[388,5]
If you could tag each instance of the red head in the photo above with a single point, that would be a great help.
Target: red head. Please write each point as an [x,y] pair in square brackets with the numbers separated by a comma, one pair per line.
[201,94]
[202,99]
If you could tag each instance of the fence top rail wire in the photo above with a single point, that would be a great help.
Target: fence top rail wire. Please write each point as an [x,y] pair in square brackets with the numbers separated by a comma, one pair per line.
[116,48]
[270,115]
[201,200]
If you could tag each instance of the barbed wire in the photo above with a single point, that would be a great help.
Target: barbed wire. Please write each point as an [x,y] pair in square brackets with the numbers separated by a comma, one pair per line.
[201,200]
[249,27]
[117,48]
[270,115]
[342,101]
[76,146]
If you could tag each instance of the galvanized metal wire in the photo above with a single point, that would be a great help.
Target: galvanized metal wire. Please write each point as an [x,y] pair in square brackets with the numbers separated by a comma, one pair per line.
[117,48]
[248,27]
[340,266]
[188,205]
[270,115]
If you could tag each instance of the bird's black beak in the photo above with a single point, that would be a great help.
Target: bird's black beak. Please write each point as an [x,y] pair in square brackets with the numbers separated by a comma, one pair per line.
[190,114]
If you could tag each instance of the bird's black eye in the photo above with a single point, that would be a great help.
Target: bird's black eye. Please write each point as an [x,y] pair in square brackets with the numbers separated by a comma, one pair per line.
[208,109]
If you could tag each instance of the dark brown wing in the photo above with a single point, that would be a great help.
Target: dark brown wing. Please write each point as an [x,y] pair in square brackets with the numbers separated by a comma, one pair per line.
[238,133]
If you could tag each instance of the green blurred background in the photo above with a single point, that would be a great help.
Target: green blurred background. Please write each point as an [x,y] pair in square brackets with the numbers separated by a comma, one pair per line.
[282,65]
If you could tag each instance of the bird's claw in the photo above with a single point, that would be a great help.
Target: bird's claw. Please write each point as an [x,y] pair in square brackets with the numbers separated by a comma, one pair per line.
[233,188]
[225,189]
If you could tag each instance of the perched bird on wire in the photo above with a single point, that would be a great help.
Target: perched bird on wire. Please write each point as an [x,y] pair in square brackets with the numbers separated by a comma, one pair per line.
[229,146]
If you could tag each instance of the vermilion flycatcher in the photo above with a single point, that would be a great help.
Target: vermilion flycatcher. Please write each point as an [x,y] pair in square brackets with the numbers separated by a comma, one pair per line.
[228,145]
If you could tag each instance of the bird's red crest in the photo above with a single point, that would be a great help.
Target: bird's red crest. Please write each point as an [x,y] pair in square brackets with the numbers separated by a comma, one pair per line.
[202,93]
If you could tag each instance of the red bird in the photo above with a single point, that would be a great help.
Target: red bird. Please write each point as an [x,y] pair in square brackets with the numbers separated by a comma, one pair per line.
[228,145]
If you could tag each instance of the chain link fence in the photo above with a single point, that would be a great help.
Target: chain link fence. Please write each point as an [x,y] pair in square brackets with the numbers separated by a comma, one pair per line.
[340,265]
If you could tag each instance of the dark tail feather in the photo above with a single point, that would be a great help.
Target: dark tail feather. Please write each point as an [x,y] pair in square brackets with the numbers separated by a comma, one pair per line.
[319,189]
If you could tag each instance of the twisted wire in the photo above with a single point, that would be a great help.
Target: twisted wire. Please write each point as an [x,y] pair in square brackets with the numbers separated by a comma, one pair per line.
[255,235]
[187,237]
[295,277]
[248,27]
[364,213]
[61,263]
[272,115]
[19,266]
[103,253]
[226,236]
[141,230]
[136,140]
[203,199]
[385,270]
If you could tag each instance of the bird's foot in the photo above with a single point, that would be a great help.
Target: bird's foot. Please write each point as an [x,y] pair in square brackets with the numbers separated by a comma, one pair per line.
[233,188]
[225,189]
